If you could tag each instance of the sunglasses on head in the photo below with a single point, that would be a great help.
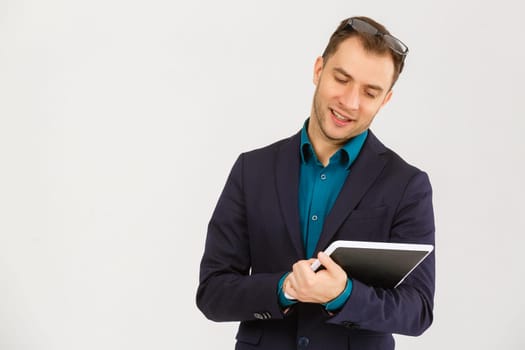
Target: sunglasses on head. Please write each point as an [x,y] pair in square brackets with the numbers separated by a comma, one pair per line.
[392,42]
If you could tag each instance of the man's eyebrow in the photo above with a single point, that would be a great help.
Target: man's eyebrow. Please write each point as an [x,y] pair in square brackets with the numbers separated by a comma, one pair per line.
[349,76]
[342,71]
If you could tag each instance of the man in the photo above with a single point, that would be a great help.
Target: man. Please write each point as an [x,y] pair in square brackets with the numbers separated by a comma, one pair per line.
[284,204]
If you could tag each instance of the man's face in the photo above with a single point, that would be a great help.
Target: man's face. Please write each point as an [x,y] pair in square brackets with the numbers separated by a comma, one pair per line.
[351,87]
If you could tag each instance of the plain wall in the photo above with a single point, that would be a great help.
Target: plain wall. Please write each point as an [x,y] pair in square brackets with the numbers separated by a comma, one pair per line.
[120,120]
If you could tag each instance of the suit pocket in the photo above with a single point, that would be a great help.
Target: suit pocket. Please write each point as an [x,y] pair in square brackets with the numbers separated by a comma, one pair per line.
[249,333]
[365,214]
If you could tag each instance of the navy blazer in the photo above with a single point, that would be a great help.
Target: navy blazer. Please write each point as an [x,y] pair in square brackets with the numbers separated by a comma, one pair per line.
[254,238]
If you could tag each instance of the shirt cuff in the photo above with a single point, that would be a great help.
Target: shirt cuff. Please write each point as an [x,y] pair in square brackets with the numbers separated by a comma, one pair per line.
[283,300]
[338,302]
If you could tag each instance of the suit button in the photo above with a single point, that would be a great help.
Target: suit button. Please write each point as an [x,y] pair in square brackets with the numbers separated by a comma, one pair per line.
[303,342]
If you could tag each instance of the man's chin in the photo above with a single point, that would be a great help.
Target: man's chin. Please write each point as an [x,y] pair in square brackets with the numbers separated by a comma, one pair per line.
[338,139]
[337,135]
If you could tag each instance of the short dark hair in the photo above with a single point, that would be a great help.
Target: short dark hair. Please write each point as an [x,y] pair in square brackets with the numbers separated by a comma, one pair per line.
[371,43]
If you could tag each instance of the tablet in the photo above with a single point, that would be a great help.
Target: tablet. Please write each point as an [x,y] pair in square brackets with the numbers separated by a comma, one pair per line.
[377,264]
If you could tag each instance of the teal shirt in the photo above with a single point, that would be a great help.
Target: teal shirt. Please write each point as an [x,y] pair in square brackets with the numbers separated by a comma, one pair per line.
[319,187]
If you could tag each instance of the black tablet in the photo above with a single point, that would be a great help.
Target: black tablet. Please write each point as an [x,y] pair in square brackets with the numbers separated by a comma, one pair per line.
[377,264]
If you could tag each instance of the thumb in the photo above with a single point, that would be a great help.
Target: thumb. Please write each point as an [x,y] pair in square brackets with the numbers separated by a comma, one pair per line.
[327,261]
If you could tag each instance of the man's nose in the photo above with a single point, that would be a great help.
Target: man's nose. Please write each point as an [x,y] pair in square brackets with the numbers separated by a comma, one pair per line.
[350,98]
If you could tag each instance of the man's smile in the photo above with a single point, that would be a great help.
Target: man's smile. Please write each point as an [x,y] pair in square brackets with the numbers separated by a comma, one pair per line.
[340,119]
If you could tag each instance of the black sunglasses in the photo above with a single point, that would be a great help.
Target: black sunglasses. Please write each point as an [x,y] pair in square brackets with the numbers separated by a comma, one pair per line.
[393,43]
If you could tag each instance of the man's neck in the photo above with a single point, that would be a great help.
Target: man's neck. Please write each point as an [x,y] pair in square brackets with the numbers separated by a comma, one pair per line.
[324,149]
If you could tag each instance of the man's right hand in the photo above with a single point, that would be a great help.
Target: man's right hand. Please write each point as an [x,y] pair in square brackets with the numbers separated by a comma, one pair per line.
[319,287]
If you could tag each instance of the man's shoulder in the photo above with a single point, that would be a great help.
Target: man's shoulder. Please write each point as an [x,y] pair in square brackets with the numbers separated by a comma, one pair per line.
[264,160]
[288,143]
[395,162]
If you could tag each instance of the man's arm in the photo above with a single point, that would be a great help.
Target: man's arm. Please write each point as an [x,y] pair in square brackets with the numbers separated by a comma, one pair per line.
[407,309]
[227,291]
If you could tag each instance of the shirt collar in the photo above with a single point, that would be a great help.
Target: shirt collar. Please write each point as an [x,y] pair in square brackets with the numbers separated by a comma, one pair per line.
[347,154]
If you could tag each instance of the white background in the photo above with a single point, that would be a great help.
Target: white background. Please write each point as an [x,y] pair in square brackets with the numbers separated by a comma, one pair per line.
[120,120]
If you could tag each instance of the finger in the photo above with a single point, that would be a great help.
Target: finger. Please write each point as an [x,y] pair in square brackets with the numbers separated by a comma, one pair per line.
[302,269]
[290,280]
[289,291]
[288,287]
[302,264]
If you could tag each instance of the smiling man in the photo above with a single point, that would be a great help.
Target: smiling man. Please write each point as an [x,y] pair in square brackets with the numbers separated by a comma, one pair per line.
[283,204]
[352,85]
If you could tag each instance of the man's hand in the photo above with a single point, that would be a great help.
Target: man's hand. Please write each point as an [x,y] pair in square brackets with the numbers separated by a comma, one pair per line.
[319,287]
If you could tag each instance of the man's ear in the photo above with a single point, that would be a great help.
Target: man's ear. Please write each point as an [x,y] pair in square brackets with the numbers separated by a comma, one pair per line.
[318,68]
[387,98]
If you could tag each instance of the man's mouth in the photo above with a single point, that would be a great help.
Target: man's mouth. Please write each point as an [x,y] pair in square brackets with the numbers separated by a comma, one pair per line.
[341,118]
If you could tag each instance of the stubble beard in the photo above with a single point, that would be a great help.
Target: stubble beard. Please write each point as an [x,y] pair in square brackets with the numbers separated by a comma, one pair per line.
[317,109]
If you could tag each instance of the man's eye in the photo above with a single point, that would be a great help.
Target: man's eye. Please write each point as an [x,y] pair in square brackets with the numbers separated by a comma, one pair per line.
[371,94]
[340,80]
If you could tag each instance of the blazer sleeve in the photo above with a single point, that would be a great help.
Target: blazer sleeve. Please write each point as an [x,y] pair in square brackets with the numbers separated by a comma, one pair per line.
[227,290]
[407,309]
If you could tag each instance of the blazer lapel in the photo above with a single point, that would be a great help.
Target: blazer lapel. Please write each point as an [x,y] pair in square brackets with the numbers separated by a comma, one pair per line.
[287,181]
[363,173]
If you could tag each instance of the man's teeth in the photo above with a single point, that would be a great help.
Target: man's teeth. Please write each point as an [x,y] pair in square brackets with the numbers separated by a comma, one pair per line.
[339,116]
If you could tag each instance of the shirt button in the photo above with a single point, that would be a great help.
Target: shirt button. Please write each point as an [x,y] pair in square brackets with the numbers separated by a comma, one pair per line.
[303,342]
[323,177]
[314,217]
